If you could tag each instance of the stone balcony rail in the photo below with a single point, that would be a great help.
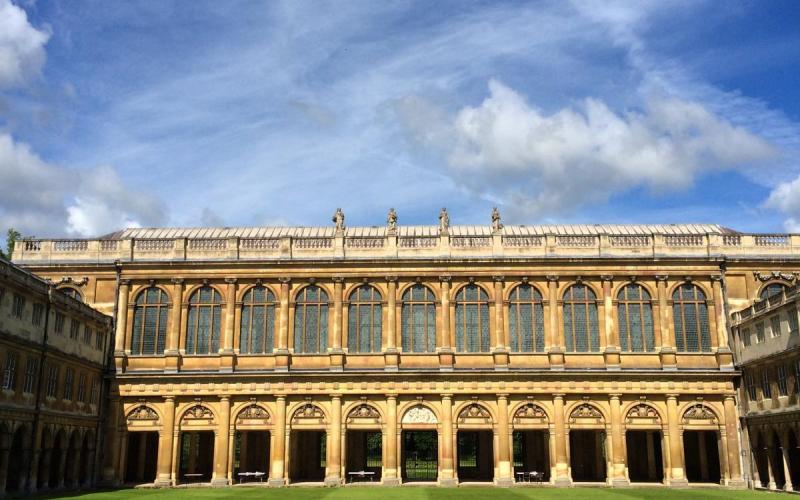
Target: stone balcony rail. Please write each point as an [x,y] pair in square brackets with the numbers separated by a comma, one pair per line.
[420,243]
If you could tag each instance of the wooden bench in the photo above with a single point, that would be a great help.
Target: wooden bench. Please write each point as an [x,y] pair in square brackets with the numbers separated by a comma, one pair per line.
[243,476]
[193,476]
[361,474]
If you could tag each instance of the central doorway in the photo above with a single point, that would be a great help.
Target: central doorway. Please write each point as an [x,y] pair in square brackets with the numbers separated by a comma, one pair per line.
[531,454]
[645,463]
[420,456]
[702,456]
[142,457]
[364,455]
[587,454]
[475,456]
[197,456]
[308,460]
[251,453]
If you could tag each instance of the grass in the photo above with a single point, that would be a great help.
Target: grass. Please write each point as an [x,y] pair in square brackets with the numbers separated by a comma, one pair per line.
[422,493]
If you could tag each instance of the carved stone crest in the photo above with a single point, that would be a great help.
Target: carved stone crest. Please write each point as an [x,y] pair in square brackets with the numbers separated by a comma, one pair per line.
[142,412]
[529,413]
[474,413]
[774,275]
[585,412]
[198,412]
[419,415]
[253,412]
[308,413]
[699,412]
[363,413]
[642,413]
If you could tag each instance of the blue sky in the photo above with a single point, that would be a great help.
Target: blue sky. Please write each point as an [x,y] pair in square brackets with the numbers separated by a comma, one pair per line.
[155,113]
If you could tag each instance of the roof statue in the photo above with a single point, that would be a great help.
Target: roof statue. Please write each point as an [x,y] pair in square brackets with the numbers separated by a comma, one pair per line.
[444,221]
[391,221]
[338,219]
[496,224]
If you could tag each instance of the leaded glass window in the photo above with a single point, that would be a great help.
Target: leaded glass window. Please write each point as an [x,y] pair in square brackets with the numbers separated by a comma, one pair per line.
[775,325]
[150,312]
[203,325]
[581,329]
[635,318]
[257,327]
[364,320]
[690,315]
[472,319]
[772,289]
[526,320]
[311,321]
[418,320]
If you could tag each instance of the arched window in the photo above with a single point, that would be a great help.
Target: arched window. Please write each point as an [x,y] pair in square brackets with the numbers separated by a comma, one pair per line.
[150,313]
[581,330]
[203,324]
[526,320]
[258,321]
[311,321]
[364,320]
[635,317]
[690,313]
[71,292]
[772,289]
[418,318]
[472,319]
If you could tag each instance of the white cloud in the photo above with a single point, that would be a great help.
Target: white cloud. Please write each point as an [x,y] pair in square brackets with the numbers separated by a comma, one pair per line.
[546,163]
[22,53]
[39,198]
[786,198]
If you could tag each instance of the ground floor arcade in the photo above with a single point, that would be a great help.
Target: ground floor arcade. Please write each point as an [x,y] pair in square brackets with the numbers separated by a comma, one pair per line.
[774,443]
[449,438]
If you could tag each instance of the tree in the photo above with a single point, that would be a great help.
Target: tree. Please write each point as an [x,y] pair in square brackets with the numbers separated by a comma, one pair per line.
[11,239]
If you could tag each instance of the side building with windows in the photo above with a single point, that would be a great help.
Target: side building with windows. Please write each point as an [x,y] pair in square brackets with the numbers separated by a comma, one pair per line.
[562,354]
[53,351]
[767,336]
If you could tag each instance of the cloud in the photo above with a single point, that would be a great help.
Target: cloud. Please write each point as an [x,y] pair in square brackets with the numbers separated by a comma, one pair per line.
[22,53]
[506,148]
[786,198]
[39,198]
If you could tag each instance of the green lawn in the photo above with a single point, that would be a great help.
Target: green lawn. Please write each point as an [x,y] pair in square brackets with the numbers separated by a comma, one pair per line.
[421,493]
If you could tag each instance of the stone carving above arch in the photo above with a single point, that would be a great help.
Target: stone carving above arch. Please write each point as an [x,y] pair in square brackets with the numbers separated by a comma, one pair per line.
[474,414]
[699,414]
[197,413]
[364,414]
[529,413]
[308,414]
[585,414]
[253,414]
[142,412]
[642,413]
[419,414]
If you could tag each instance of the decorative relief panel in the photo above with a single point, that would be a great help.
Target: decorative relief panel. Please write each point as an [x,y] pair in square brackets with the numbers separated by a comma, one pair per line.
[308,414]
[530,414]
[642,414]
[585,414]
[253,414]
[197,415]
[419,415]
[699,414]
[364,414]
[474,414]
[142,412]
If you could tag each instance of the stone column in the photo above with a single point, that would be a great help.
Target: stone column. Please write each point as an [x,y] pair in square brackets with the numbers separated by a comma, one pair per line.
[446,469]
[611,349]
[334,469]
[62,462]
[336,352]
[500,351]
[618,477]
[668,359]
[277,467]
[221,435]
[174,335]
[391,354]
[229,331]
[165,438]
[553,339]
[122,317]
[561,466]
[444,348]
[391,476]
[771,475]
[282,352]
[724,352]
[505,467]
[677,475]
[732,440]
[784,445]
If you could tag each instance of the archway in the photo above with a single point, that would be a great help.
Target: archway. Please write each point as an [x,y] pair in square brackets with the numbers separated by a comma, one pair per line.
[57,460]
[794,459]
[587,444]
[761,457]
[308,445]
[73,456]
[643,439]
[531,443]
[142,457]
[196,458]
[252,443]
[87,457]
[364,444]
[776,457]
[43,467]
[420,445]
[701,444]
[474,444]
[16,462]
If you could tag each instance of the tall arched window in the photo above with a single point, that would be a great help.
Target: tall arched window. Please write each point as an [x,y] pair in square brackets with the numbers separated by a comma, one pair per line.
[690,313]
[311,321]
[364,320]
[258,321]
[635,317]
[472,319]
[526,320]
[772,289]
[581,330]
[203,324]
[418,329]
[150,313]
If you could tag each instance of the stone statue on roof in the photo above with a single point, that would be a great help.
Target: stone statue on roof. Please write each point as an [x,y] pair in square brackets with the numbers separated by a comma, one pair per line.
[444,221]
[338,219]
[391,221]
[496,224]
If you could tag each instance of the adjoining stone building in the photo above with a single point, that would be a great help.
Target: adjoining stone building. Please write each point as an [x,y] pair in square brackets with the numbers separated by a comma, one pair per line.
[53,351]
[768,354]
[422,353]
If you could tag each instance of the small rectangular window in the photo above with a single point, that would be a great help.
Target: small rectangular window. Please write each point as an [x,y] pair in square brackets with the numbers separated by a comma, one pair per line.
[18,306]
[775,323]
[766,390]
[68,379]
[98,340]
[751,387]
[793,325]
[745,334]
[31,374]
[81,388]
[59,326]
[87,335]
[52,380]
[760,332]
[797,377]
[38,314]
[95,391]
[2,294]
[74,327]
[782,388]
[10,371]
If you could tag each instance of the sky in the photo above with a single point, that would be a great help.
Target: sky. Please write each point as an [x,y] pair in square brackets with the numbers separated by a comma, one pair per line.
[160,113]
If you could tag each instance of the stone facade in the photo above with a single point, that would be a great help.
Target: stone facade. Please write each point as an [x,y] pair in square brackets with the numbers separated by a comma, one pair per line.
[447,354]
